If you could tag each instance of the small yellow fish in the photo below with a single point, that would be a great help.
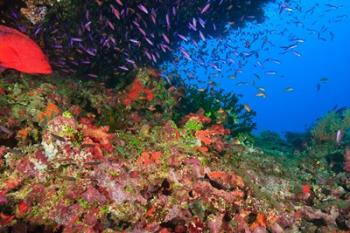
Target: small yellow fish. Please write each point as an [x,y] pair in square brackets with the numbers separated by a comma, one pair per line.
[261,94]
[233,76]
[247,108]
[201,90]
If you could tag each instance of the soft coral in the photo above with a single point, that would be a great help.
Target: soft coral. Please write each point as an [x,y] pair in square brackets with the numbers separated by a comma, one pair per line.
[97,137]
[213,136]
[137,90]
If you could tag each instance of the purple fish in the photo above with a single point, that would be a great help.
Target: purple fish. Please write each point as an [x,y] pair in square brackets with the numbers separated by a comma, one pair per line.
[87,26]
[135,41]
[166,39]
[154,17]
[130,61]
[167,19]
[194,22]
[182,37]
[201,22]
[148,55]
[92,75]
[201,36]
[143,8]
[37,31]
[115,11]
[123,68]
[205,8]
[142,31]
[119,2]
[185,53]
[149,41]
[110,25]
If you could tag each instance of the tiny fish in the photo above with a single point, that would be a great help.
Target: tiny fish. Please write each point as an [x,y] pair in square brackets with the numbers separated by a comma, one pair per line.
[201,36]
[123,68]
[296,53]
[261,89]
[92,75]
[166,39]
[271,73]
[247,108]
[182,37]
[290,47]
[339,137]
[205,8]
[119,2]
[261,94]
[242,83]
[298,40]
[143,8]
[289,89]
[167,19]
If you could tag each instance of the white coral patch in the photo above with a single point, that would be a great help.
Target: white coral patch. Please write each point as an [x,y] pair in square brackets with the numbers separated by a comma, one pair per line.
[50,150]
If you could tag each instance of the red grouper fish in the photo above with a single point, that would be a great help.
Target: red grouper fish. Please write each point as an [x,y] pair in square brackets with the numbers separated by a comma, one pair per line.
[19,52]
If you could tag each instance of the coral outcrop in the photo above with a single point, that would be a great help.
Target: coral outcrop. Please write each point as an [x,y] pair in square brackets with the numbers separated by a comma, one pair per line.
[77,158]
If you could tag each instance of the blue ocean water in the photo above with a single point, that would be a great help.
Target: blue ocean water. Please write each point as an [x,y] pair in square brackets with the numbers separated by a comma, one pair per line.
[301,84]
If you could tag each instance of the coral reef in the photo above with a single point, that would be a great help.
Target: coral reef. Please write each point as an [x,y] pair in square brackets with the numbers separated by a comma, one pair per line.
[76,158]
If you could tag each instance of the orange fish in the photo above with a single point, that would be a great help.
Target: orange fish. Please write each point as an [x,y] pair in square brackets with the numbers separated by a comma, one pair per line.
[19,52]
